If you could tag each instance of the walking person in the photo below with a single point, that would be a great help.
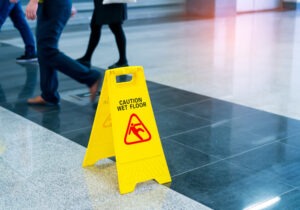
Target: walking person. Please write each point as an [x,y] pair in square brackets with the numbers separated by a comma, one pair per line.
[14,10]
[52,16]
[112,15]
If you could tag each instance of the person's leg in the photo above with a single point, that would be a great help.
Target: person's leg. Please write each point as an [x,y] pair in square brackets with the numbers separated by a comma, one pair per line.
[48,75]
[52,17]
[18,18]
[5,8]
[93,42]
[120,37]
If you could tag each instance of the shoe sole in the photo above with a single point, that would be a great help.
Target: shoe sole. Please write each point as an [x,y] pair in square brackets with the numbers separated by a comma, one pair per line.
[27,60]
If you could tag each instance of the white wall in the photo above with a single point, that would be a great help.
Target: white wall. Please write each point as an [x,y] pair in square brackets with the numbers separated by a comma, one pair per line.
[256,5]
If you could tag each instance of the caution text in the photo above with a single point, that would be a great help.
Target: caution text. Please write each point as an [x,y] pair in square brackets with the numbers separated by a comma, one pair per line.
[131,103]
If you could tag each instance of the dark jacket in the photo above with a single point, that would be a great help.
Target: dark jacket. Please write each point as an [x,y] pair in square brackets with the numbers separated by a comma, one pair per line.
[108,13]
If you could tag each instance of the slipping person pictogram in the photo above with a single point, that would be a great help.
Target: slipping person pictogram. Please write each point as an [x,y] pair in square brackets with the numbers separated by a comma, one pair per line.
[135,130]
[136,127]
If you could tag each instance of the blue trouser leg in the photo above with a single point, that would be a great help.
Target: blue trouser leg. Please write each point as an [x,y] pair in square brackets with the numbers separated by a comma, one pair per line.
[52,18]
[15,12]
[5,8]
[18,18]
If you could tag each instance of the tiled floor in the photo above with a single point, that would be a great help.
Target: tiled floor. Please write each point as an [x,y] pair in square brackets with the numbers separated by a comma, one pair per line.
[225,97]
[42,170]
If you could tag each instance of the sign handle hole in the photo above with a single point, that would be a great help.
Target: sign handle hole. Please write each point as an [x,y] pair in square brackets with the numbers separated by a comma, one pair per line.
[123,78]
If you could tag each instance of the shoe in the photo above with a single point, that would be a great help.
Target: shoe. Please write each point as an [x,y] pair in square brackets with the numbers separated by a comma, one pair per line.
[84,62]
[94,90]
[38,100]
[26,58]
[118,65]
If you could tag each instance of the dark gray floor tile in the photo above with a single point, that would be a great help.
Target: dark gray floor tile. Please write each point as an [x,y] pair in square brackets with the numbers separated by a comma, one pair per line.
[170,122]
[182,159]
[267,125]
[9,53]
[154,87]
[277,158]
[80,136]
[288,201]
[62,122]
[172,97]
[25,110]
[293,140]
[219,141]
[20,84]
[226,186]
[216,110]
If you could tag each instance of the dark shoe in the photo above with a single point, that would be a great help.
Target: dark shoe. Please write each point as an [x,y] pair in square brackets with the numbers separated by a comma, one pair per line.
[84,62]
[94,90]
[118,65]
[27,58]
[38,100]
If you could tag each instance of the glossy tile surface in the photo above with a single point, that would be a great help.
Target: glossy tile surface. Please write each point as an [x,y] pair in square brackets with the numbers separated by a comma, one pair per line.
[219,141]
[281,159]
[225,94]
[227,186]
[42,170]
[287,201]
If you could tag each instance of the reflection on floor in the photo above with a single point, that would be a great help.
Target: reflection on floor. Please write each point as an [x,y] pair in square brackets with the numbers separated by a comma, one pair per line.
[42,170]
[221,154]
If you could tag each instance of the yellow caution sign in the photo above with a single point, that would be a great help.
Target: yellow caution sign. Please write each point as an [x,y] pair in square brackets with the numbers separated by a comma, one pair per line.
[125,127]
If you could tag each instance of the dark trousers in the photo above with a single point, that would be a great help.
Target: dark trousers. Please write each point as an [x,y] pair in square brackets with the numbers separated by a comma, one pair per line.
[16,14]
[95,35]
[52,18]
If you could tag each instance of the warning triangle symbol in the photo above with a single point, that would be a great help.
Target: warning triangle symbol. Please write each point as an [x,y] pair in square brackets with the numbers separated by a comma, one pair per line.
[136,131]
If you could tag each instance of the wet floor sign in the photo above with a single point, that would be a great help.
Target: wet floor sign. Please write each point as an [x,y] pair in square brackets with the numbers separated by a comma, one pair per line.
[125,127]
